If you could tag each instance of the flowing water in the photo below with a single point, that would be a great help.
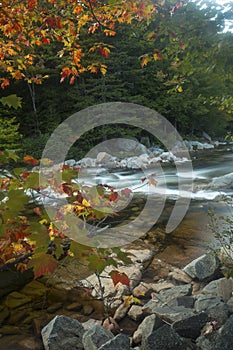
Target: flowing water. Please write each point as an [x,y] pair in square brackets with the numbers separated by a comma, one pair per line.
[192,236]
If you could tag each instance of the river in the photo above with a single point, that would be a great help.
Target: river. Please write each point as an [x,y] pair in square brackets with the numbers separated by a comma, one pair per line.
[192,236]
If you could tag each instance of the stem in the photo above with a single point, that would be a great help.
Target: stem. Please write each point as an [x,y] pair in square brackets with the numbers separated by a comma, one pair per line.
[102,296]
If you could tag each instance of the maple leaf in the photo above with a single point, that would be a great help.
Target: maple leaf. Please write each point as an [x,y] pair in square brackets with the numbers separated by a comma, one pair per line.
[143,179]
[121,277]
[152,182]
[126,192]
[114,197]
[42,264]
[30,160]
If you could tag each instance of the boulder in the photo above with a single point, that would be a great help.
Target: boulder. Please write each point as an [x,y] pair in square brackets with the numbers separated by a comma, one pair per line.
[222,287]
[167,313]
[105,158]
[95,337]
[165,338]
[190,327]
[147,326]
[221,182]
[225,339]
[202,267]
[119,342]
[16,299]
[63,333]
[135,312]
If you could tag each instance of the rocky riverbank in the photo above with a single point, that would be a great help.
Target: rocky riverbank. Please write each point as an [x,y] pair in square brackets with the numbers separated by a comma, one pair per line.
[171,308]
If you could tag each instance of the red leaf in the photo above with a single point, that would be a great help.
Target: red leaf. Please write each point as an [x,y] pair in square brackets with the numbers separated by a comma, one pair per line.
[25,175]
[114,197]
[37,211]
[30,160]
[121,277]
[67,189]
[42,263]
[126,192]
[143,179]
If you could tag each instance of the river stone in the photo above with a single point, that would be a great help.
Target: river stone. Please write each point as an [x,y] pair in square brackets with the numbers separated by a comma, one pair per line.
[121,311]
[222,287]
[146,327]
[225,181]
[169,314]
[165,338]
[35,290]
[166,297]
[206,302]
[186,301]
[119,342]
[206,342]
[135,312]
[4,313]
[219,313]
[63,333]
[225,340]
[87,309]
[12,280]
[202,267]
[16,299]
[179,276]
[96,336]
[190,327]
[29,344]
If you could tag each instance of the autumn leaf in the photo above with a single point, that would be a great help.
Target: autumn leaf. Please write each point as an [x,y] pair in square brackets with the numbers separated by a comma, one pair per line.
[37,211]
[130,299]
[152,182]
[121,277]
[42,264]
[126,192]
[30,160]
[114,197]
[143,179]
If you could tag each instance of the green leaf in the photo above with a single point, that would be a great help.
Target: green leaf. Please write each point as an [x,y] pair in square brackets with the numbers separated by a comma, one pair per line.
[12,101]
[96,263]
[32,181]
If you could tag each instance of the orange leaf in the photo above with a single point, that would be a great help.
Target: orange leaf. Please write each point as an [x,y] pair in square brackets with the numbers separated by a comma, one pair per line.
[114,197]
[37,211]
[121,277]
[30,160]
[42,264]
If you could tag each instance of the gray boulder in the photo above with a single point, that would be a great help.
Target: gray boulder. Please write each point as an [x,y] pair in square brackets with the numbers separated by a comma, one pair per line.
[225,340]
[190,327]
[202,267]
[225,181]
[95,337]
[222,287]
[63,333]
[120,342]
[165,338]
[148,326]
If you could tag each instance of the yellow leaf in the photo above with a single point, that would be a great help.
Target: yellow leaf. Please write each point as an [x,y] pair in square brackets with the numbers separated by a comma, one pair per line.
[180,89]
[43,221]
[86,203]
[103,69]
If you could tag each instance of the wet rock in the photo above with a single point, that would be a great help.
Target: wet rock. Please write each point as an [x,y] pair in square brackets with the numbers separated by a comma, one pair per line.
[165,338]
[190,327]
[12,280]
[87,309]
[54,307]
[225,339]
[225,181]
[16,299]
[105,158]
[202,267]
[4,313]
[10,330]
[29,344]
[63,333]
[74,307]
[17,316]
[119,342]
[96,336]
[35,290]
[222,287]
[147,326]
[135,312]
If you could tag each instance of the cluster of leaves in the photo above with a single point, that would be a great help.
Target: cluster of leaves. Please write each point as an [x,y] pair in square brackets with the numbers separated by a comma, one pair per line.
[28,237]
[27,26]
